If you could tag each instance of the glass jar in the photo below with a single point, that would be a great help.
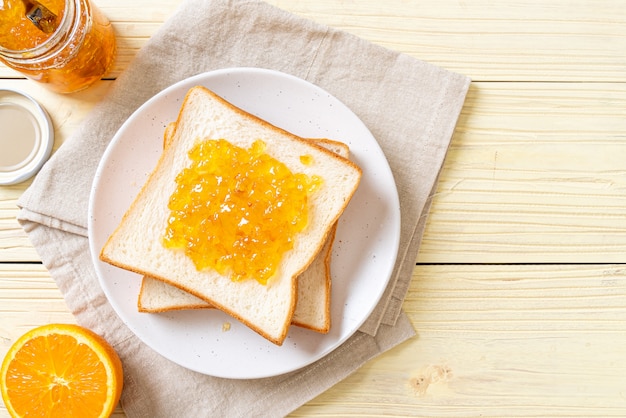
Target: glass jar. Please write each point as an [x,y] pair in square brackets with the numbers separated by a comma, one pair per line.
[79,52]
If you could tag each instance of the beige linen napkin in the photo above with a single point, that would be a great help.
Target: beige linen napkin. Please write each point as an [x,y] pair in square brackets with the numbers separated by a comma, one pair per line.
[410,107]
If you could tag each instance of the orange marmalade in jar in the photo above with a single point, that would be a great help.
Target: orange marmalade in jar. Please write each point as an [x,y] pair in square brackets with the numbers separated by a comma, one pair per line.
[79,50]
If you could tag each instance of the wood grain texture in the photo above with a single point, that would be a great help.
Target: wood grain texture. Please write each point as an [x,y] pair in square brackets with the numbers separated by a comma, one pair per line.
[535,174]
[492,341]
[531,40]
[534,181]
[496,341]
[489,40]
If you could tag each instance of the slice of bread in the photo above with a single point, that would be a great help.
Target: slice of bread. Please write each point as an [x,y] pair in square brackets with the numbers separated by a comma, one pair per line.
[313,301]
[136,244]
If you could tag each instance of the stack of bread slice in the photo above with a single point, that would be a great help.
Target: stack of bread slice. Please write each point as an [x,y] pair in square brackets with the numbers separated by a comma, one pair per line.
[313,299]
[299,291]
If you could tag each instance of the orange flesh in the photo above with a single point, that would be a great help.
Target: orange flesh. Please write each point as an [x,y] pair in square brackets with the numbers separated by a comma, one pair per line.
[69,380]
[237,210]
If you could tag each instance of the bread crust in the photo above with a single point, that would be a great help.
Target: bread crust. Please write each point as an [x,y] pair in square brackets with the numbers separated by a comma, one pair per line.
[113,254]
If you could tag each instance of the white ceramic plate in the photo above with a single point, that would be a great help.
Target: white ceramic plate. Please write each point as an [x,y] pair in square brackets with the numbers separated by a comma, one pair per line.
[364,251]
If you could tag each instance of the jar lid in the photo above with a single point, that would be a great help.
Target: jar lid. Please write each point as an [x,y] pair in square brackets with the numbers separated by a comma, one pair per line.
[26,137]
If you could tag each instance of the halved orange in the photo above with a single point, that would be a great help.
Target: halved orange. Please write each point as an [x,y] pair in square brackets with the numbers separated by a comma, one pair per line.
[61,370]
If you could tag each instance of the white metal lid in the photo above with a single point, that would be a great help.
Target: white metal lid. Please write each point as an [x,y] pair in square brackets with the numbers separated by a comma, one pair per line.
[26,136]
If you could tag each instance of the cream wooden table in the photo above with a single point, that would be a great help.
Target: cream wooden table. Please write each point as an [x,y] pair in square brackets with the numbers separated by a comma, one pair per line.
[519,291]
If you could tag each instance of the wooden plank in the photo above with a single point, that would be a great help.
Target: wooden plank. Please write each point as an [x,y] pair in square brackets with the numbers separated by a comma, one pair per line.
[492,340]
[14,243]
[499,341]
[28,298]
[529,40]
[535,174]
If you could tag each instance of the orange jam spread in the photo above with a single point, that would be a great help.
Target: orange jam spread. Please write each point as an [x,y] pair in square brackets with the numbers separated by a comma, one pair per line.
[17,33]
[306,159]
[237,210]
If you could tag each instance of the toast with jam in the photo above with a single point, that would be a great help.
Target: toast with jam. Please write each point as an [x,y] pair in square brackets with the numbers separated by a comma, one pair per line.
[234,212]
